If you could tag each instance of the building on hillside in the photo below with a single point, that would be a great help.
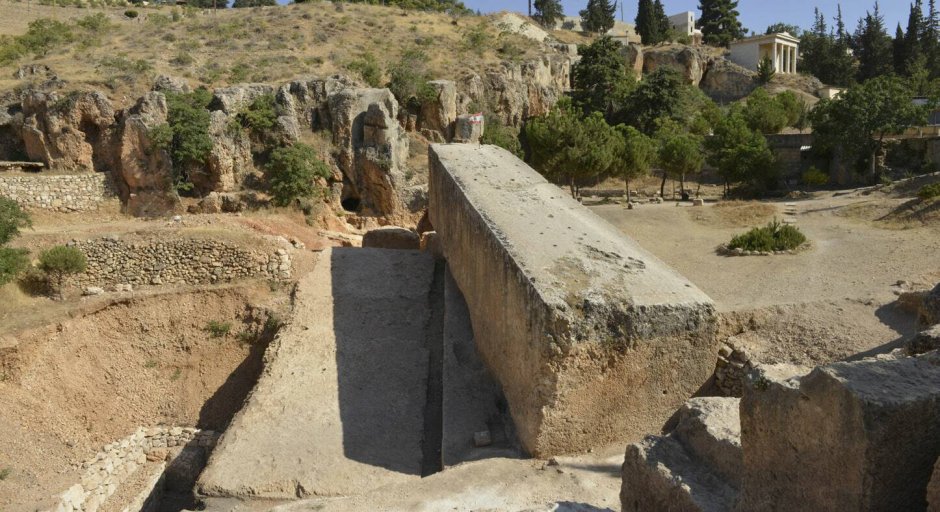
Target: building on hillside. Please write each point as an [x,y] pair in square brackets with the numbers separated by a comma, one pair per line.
[684,25]
[624,32]
[782,49]
[830,93]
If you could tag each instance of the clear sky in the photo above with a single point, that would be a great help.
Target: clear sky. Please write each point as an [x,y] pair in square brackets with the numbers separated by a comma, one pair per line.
[756,15]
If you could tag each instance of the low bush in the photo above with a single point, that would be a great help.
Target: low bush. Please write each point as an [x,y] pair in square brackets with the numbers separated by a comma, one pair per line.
[775,236]
[292,173]
[12,263]
[498,134]
[409,79]
[928,192]
[131,13]
[59,262]
[368,68]
[12,219]
[814,177]
[260,115]
[218,329]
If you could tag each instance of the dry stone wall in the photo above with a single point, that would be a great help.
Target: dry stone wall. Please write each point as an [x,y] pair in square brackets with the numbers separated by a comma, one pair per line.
[65,193]
[115,263]
[115,463]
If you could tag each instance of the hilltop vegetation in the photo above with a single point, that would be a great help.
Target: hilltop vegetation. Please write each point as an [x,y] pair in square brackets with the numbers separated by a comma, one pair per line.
[102,48]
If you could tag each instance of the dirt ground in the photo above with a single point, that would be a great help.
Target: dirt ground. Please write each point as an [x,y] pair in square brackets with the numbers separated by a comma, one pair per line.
[69,388]
[829,302]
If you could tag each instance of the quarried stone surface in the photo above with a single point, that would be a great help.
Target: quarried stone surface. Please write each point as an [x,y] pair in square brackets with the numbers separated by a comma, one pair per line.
[592,338]
[860,436]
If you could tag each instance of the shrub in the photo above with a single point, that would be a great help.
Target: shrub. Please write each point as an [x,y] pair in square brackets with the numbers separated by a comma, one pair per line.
[260,115]
[772,237]
[498,134]
[43,35]
[292,172]
[929,191]
[814,177]
[61,261]
[368,68]
[765,71]
[96,23]
[409,79]
[477,38]
[190,144]
[131,13]
[12,218]
[12,262]
[218,329]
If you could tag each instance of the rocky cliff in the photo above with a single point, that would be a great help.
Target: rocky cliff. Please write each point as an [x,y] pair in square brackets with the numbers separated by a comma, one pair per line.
[82,132]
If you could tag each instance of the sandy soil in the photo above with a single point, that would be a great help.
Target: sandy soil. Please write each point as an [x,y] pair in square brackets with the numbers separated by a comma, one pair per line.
[830,302]
[69,388]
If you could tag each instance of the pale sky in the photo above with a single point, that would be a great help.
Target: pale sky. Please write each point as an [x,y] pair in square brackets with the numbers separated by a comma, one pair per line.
[756,15]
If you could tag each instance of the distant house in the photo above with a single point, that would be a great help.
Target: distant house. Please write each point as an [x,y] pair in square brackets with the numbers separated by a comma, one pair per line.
[684,25]
[782,49]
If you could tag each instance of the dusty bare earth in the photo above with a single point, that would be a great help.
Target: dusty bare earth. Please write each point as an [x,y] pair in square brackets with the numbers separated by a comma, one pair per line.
[826,303]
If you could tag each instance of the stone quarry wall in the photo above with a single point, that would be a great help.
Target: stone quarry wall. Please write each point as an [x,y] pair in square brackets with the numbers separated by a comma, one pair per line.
[114,261]
[115,463]
[65,193]
[592,338]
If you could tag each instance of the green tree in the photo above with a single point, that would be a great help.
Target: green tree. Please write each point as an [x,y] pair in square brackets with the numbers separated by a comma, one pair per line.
[547,12]
[601,78]
[635,155]
[763,113]
[44,34]
[498,134]
[777,28]
[187,136]
[719,22]
[658,96]
[60,262]
[12,263]
[680,154]
[410,77]
[827,56]
[858,121]
[292,172]
[647,25]
[12,219]
[873,47]
[568,149]
[765,71]
[739,153]
[659,15]
[598,16]
[931,40]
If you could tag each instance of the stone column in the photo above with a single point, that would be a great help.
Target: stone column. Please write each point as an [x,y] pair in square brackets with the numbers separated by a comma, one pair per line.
[796,55]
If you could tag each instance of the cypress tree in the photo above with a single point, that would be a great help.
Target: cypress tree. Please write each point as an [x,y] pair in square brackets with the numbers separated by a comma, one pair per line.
[901,53]
[598,16]
[659,13]
[719,22]
[646,24]
[931,39]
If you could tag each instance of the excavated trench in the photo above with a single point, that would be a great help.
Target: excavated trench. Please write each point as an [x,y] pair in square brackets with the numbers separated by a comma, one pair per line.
[177,359]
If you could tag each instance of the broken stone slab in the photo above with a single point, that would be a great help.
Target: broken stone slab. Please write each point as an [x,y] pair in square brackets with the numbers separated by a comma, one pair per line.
[710,428]
[660,474]
[392,237]
[861,436]
[592,338]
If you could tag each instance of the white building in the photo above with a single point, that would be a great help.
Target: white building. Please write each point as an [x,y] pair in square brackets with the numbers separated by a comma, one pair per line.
[683,23]
[782,49]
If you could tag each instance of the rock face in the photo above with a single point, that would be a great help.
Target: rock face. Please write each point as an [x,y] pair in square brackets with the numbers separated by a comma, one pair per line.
[68,132]
[143,166]
[861,436]
[592,338]
[469,128]
[925,341]
[371,150]
[518,90]
[689,61]
[695,468]
[439,113]
[633,55]
[725,81]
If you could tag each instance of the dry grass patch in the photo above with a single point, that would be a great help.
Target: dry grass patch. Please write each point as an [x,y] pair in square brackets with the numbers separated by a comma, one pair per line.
[734,214]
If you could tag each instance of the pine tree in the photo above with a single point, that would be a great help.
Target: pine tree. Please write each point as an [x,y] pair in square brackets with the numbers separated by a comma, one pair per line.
[598,16]
[841,34]
[826,55]
[912,45]
[646,23]
[931,39]
[547,12]
[901,53]
[873,47]
[719,22]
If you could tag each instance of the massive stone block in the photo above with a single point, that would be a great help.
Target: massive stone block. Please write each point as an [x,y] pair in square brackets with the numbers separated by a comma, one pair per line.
[593,339]
[860,436]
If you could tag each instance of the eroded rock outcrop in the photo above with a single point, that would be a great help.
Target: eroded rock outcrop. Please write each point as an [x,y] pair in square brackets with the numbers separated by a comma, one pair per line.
[439,113]
[725,81]
[689,61]
[68,132]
